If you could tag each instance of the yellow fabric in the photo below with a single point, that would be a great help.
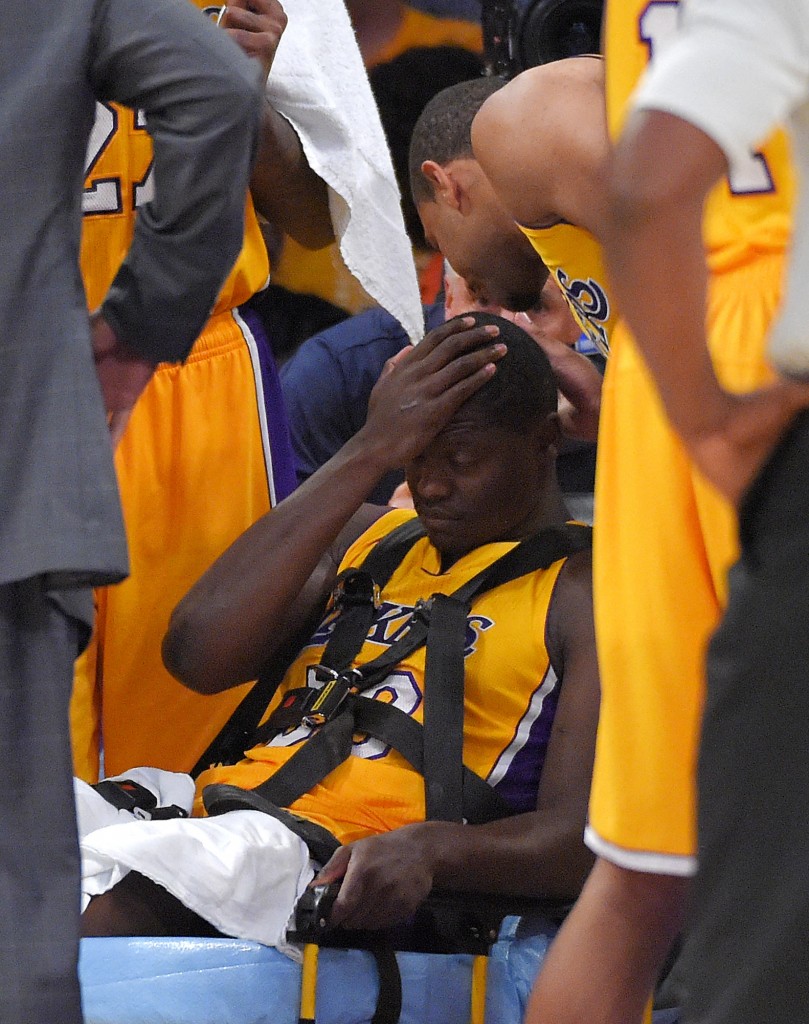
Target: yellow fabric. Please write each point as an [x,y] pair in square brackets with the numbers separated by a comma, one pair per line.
[666,538]
[320,272]
[418,28]
[576,261]
[119,159]
[363,796]
[739,225]
[192,477]
[660,562]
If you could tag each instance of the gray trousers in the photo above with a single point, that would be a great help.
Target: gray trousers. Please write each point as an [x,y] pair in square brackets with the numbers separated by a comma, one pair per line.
[39,858]
[747,954]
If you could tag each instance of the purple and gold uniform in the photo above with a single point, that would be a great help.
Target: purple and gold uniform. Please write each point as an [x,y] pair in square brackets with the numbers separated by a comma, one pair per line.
[667,538]
[205,453]
[507,717]
[576,261]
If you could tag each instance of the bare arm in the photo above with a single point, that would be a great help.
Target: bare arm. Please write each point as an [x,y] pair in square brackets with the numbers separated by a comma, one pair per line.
[285,190]
[541,853]
[657,265]
[542,142]
[257,595]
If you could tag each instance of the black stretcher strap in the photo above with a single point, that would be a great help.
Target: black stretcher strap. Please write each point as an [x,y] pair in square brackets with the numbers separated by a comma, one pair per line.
[220,798]
[442,741]
[239,732]
[331,744]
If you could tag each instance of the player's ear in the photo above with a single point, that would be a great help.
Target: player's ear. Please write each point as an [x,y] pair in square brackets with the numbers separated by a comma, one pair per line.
[443,182]
[549,433]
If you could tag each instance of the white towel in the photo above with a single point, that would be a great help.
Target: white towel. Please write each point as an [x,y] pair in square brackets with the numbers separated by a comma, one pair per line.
[243,871]
[318,82]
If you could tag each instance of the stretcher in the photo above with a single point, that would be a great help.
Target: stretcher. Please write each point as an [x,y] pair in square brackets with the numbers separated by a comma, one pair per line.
[229,981]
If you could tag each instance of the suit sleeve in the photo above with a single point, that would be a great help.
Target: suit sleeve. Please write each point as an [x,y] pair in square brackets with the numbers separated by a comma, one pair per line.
[202,100]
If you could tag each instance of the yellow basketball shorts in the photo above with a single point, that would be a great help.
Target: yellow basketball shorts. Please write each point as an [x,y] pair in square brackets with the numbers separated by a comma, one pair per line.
[205,454]
[663,542]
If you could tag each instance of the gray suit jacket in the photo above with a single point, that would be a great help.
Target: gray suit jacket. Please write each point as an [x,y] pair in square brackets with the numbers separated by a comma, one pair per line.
[59,509]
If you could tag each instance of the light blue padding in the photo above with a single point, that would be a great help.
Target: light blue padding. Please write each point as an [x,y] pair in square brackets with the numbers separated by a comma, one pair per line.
[226,981]
[211,981]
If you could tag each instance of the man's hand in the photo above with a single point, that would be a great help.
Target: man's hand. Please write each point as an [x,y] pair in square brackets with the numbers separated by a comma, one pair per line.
[579,381]
[421,388]
[122,374]
[385,878]
[257,26]
[732,452]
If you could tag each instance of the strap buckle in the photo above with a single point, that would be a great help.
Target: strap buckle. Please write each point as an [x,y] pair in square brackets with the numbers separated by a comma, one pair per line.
[355,587]
[422,610]
[330,699]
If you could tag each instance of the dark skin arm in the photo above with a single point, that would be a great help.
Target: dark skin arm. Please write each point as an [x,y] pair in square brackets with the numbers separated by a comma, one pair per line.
[257,596]
[659,274]
[284,188]
[386,877]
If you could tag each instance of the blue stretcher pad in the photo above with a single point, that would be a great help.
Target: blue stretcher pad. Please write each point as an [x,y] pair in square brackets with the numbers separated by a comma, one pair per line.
[227,981]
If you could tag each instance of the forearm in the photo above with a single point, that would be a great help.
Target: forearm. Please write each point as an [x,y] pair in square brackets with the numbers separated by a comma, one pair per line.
[657,262]
[257,596]
[536,854]
[605,961]
[242,611]
[284,188]
[580,383]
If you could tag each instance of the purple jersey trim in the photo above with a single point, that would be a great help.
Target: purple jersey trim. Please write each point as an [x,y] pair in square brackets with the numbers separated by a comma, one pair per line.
[281,472]
[519,782]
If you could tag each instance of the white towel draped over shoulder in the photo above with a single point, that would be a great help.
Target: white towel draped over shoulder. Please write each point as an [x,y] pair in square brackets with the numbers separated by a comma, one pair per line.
[319,83]
[242,871]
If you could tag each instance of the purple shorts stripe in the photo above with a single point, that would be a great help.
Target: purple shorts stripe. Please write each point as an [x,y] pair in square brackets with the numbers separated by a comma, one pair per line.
[281,472]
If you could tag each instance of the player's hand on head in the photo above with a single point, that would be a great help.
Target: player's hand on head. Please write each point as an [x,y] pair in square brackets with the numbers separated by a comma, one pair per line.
[122,374]
[257,26]
[421,388]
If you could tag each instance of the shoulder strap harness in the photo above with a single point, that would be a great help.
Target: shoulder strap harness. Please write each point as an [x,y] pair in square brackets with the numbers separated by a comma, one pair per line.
[339,709]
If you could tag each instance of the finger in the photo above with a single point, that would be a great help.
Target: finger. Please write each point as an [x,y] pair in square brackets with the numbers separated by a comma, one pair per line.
[248,17]
[335,868]
[401,357]
[452,398]
[437,335]
[455,344]
[464,366]
[348,899]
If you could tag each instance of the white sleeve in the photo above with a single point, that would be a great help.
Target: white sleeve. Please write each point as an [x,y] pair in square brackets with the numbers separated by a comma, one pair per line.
[735,69]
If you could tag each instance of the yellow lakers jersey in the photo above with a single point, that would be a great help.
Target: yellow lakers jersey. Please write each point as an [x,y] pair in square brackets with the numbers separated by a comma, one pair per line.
[118,179]
[750,212]
[576,261]
[508,706]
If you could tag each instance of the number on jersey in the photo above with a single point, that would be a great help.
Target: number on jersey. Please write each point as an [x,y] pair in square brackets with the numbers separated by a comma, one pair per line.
[657,27]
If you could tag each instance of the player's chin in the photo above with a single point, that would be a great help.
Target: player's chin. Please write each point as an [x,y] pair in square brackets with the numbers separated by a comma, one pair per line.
[447,534]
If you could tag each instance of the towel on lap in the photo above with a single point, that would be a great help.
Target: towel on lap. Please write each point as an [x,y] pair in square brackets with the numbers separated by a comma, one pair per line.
[242,871]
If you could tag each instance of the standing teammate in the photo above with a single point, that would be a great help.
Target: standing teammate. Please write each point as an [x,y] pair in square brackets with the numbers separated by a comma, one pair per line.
[60,521]
[664,537]
[736,69]
[206,452]
[666,540]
